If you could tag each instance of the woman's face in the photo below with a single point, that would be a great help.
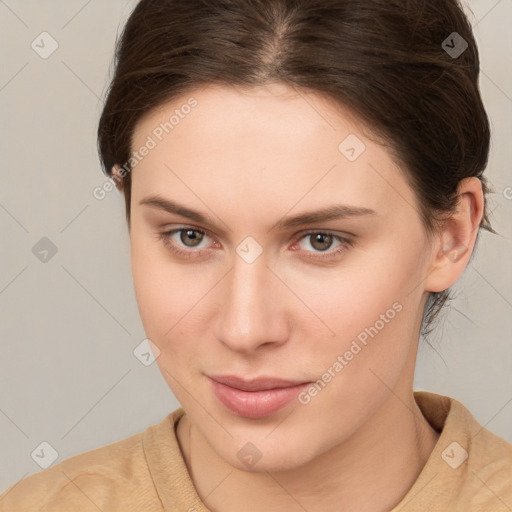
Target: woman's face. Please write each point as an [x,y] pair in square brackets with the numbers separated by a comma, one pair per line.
[248,290]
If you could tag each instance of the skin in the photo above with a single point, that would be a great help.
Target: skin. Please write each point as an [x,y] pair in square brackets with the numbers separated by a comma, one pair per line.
[247,159]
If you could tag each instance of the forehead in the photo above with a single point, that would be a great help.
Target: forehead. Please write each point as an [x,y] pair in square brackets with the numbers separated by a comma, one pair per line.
[270,145]
[235,115]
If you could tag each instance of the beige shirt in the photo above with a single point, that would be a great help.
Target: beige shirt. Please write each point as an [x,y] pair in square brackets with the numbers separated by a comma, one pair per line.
[469,470]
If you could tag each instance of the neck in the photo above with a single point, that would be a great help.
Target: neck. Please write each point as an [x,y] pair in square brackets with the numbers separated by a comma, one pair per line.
[371,471]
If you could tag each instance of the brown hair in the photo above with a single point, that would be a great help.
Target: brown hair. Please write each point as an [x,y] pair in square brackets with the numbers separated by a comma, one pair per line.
[383,59]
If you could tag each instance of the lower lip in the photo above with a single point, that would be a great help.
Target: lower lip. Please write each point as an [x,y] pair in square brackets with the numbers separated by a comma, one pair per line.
[255,404]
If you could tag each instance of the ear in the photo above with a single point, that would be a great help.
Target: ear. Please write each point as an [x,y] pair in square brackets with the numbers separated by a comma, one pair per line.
[453,245]
[117,176]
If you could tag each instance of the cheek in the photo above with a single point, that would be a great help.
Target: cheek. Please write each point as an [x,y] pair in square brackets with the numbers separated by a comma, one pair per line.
[364,286]
[170,297]
[362,322]
[369,307]
[159,291]
[163,298]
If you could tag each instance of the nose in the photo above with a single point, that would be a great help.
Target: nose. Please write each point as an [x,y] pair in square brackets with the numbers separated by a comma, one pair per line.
[253,309]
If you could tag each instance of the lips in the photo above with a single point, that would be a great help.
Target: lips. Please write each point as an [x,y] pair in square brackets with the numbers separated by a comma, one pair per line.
[255,398]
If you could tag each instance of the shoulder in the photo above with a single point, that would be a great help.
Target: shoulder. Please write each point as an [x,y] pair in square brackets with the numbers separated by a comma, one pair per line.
[490,466]
[486,451]
[108,477]
[470,467]
[483,461]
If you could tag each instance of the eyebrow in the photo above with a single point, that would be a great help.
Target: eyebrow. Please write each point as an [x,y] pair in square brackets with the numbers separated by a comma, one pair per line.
[338,211]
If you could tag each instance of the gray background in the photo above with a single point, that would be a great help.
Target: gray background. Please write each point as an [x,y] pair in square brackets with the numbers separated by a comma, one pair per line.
[68,375]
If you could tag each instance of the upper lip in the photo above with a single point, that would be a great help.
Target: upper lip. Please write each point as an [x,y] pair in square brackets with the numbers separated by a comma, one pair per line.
[258,384]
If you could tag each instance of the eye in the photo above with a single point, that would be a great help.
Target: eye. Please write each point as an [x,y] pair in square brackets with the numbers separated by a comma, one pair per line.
[321,242]
[190,238]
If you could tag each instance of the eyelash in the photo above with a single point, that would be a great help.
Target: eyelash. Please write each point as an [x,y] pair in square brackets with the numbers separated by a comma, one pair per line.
[189,254]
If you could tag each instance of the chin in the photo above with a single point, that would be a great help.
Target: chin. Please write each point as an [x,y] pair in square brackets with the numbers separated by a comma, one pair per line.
[264,455]
[284,460]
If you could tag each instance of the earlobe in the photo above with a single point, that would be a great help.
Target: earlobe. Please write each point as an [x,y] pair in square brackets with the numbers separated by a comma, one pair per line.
[455,241]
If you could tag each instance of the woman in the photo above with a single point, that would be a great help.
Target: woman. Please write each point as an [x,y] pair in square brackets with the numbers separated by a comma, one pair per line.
[303,184]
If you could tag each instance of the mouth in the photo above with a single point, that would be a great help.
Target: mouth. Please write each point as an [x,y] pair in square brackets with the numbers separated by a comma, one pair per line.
[255,398]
